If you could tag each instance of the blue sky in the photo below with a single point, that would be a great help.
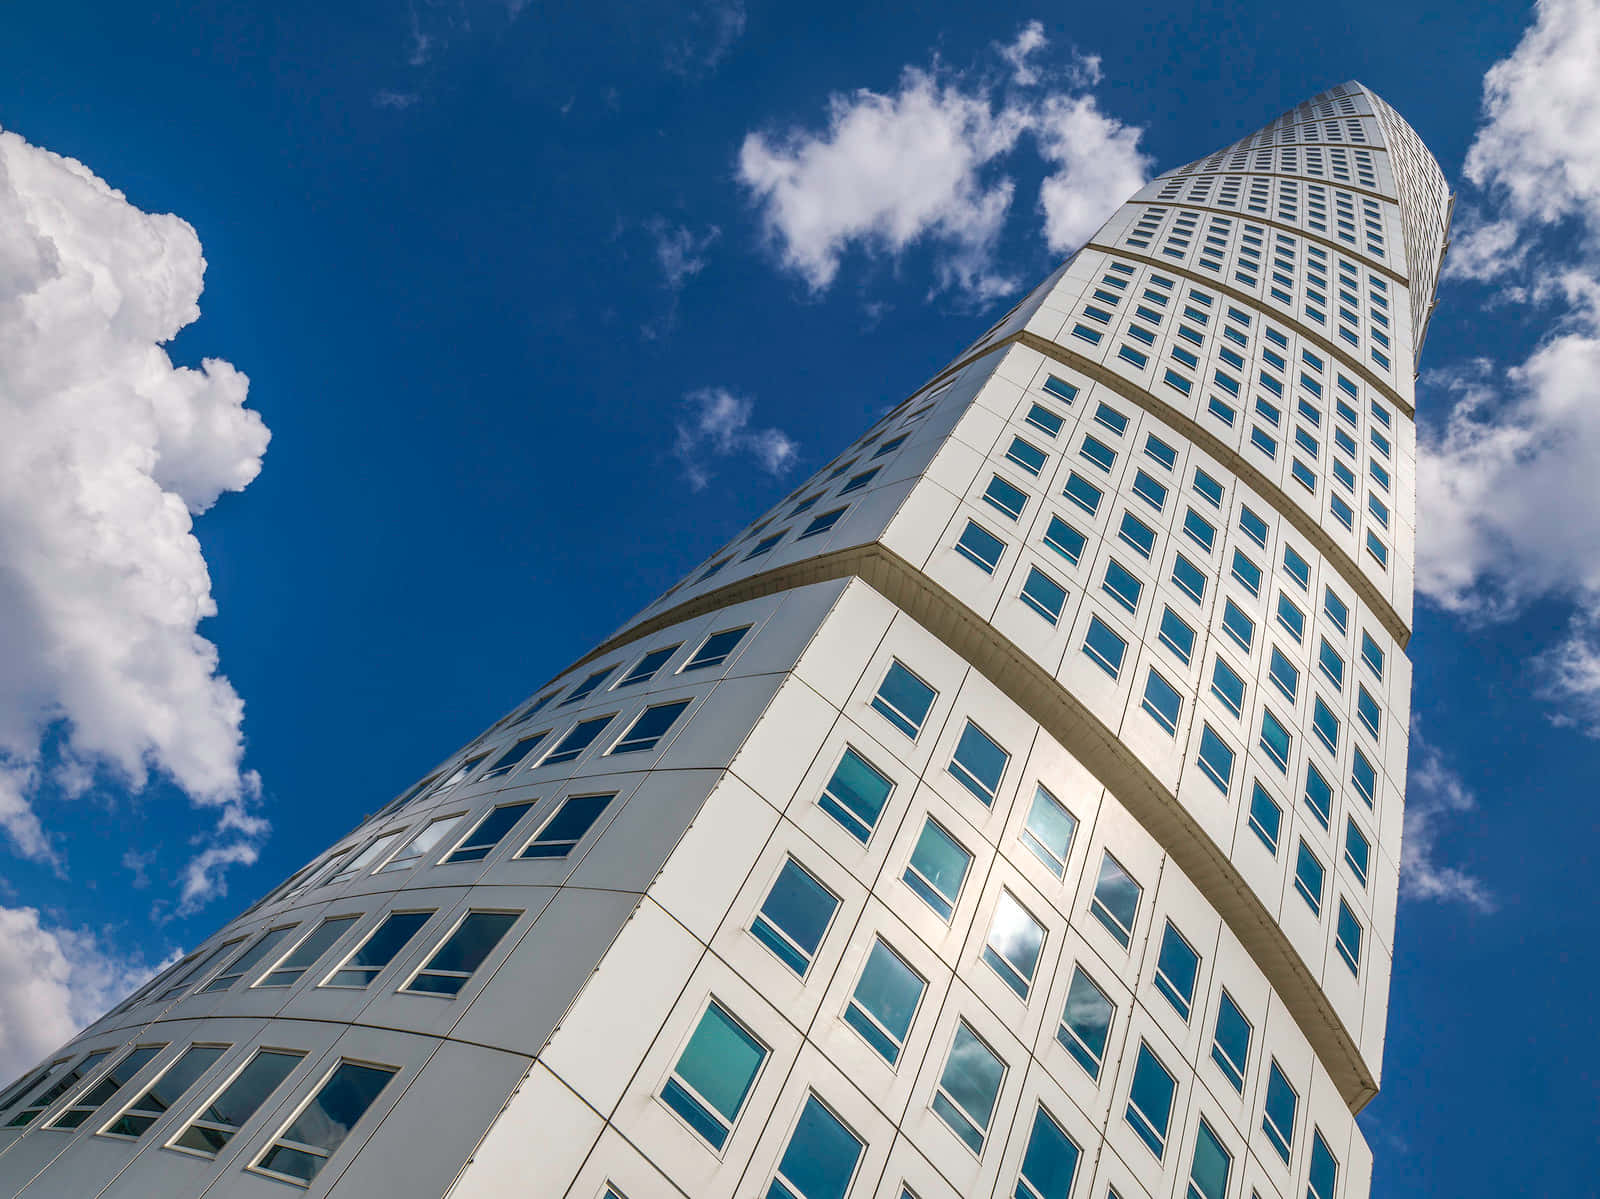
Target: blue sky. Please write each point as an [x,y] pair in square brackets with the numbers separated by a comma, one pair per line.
[539,304]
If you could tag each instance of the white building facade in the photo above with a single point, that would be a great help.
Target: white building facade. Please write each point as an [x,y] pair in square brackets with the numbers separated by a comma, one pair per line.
[1014,810]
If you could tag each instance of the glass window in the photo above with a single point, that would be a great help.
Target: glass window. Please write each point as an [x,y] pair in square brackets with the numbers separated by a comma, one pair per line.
[1191,580]
[969,1088]
[508,761]
[1371,654]
[1254,527]
[1098,452]
[821,524]
[378,950]
[1326,725]
[584,689]
[885,1001]
[1324,1169]
[1111,419]
[60,1087]
[649,727]
[1291,618]
[1014,944]
[1216,758]
[304,955]
[647,666]
[855,795]
[714,1075]
[1275,740]
[1086,1023]
[112,1081]
[1230,1042]
[1199,530]
[1048,831]
[1331,664]
[1336,610]
[571,747]
[1150,1100]
[1044,420]
[1278,1122]
[1065,540]
[1247,573]
[980,547]
[1083,493]
[1238,626]
[937,869]
[1044,595]
[715,649]
[316,1133]
[904,700]
[167,1090]
[216,1125]
[1177,968]
[241,965]
[1137,535]
[1356,851]
[1364,776]
[794,917]
[1008,499]
[1050,1162]
[1162,701]
[1367,710]
[1153,493]
[488,833]
[463,951]
[461,771]
[1061,388]
[820,1159]
[1116,900]
[370,853]
[1308,878]
[1208,1173]
[1208,488]
[563,831]
[1177,636]
[1160,451]
[1029,457]
[1122,585]
[1299,569]
[857,482]
[979,764]
[1319,795]
[1104,647]
[1347,938]
[424,842]
[764,546]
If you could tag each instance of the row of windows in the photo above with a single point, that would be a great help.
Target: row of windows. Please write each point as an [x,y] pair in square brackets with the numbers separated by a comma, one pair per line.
[319,1125]
[1288,194]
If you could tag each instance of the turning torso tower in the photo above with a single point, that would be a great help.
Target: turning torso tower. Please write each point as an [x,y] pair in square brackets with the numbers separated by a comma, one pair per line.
[1013,810]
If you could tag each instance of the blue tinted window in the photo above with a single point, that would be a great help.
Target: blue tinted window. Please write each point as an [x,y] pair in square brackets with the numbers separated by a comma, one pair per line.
[1247,572]
[1326,725]
[885,1001]
[1347,938]
[1104,647]
[1065,540]
[1238,626]
[980,547]
[1356,851]
[1177,968]
[1208,1172]
[1278,1120]
[1043,419]
[1284,674]
[1254,527]
[1227,686]
[1030,458]
[1275,739]
[716,649]
[1291,618]
[820,1159]
[1116,900]
[979,764]
[1308,875]
[1162,702]
[904,700]
[1152,492]
[1086,1023]
[1177,636]
[1083,493]
[1201,531]
[1208,487]
[937,869]
[794,916]
[1048,831]
[855,795]
[1015,941]
[1324,1169]
[1364,777]
[1189,578]
[651,726]
[563,831]
[1050,1162]
[1319,795]
[1230,1043]
[1061,388]
[1002,495]
[1137,535]
[1150,1100]
[1097,452]
[1044,595]
[1215,759]
[1122,585]
[969,1088]
[714,1075]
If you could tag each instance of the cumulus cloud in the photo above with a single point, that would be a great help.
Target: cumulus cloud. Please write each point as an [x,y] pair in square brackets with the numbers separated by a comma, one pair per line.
[1435,795]
[922,165]
[107,452]
[716,424]
[52,983]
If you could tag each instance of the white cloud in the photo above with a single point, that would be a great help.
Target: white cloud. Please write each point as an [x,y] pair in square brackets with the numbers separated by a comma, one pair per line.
[704,35]
[680,252]
[1435,794]
[716,424]
[921,166]
[107,451]
[52,983]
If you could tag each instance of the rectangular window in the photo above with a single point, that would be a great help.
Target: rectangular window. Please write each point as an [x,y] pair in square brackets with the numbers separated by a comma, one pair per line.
[321,1126]
[1331,665]
[1247,573]
[1265,818]
[1049,831]
[937,869]
[385,943]
[1238,626]
[1326,725]
[1278,1120]
[1254,527]
[450,966]
[969,1088]
[1137,535]
[1275,740]
[821,524]
[1150,1100]
[1014,944]
[1086,1023]
[1083,493]
[487,833]
[904,700]
[650,727]
[425,841]
[1177,969]
[1215,758]
[584,689]
[1189,578]
[1356,851]
[508,761]
[646,668]
[1208,488]
[794,917]
[885,1001]
[357,863]
[1061,389]
[1065,540]
[1208,1172]
[1177,636]
[855,795]
[1324,1169]
[1319,795]
[1308,875]
[236,969]
[562,832]
[1347,938]
[1364,777]
[60,1087]
[1005,498]
[166,1091]
[1227,686]
[1152,492]
[979,764]
[1367,710]
[713,1076]
[821,1157]
[112,1081]
[209,1132]
[1104,647]
[1044,595]
[1291,618]
[305,955]
[1230,1042]
[1122,585]
[1050,1162]
[1371,654]
[715,649]
[980,547]
[857,482]
[1160,451]
[571,747]
[1044,420]
[1336,610]
[1285,676]
[1029,457]
[1097,452]
[1116,900]
[1162,702]
[1111,419]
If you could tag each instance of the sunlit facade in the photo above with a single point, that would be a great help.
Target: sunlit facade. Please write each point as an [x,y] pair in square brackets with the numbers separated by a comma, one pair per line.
[1013,810]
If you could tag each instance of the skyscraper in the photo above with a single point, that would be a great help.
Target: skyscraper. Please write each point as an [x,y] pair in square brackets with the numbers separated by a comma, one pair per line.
[1014,809]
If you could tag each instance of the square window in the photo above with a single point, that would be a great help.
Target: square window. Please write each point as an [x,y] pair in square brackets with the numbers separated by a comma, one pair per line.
[1014,945]
[855,795]
[1098,452]
[1050,1162]
[979,764]
[1325,724]
[904,700]
[969,1087]
[1227,686]
[1122,585]
[1137,535]
[1044,595]
[1007,498]
[1116,900]
[643,671]
[1065,540]
[1364,777]
[1162,702]
[794,917]
[857,482]
[1147,489]
[1029,458]
[1199,530]
[1111,419]
[1356,851]
[1061,389]
[1048,832]
[584,689]
[1104,647]
[715,649]
[937,868]
[1318,795]
[980,547]
[1278,1119]
[821,1158]
[885,1001]
[1176,635]
[562,832]
[1247,573]
[380,947]
[1275,740]
[714,1074]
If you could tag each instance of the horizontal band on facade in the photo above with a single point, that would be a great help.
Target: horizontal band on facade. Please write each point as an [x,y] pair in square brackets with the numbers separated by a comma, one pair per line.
[1083,734]
[1407,409]
[1350,187]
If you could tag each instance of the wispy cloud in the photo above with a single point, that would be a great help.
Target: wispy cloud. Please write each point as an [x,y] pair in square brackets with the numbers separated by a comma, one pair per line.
[704,34]
[388,98]
[1435,797]
[107,452]
[680,252]
[716,425]
[921,165]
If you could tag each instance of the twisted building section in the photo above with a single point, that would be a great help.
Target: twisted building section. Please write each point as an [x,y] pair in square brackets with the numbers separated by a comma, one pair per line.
[1014,809]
